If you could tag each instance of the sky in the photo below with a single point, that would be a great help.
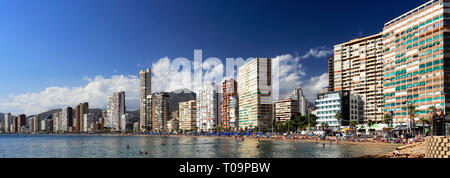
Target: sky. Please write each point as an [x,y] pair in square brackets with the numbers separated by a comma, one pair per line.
[57,53]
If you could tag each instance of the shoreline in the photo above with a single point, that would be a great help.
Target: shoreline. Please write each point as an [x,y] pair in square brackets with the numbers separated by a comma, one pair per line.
[414,150]
[305,139]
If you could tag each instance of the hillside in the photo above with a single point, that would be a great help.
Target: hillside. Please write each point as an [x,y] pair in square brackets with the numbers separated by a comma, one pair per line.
[178,96]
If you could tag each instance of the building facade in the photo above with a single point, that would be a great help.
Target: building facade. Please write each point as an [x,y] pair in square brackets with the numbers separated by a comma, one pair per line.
[302,103]
[331,74]
[8,122]
[255,94]
[88,122]
[65,119]
[188,115]
[55,117]
[286,109]
[234,114]
[80,110]
[159,111]
[207,108]
[19,124]
[173,124]
[331,103]
[229,92]
[146,90]
[358,67]
[414,58]
[115,109]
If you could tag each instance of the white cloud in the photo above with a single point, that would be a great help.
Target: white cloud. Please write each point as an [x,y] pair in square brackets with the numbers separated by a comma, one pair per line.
[290,74]
[319,52]
[167,76]
[95,92]
[313,86]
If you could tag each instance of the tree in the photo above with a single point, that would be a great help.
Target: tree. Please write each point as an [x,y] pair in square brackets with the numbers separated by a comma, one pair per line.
[425,122]
[338,117]
[304,122]
[433,113]
[387,120]
[412,114]
[370,123]
[324,126]
[353,124]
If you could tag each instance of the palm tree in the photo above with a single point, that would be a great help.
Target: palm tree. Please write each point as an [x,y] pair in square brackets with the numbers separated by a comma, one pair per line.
[412,114]
[433,110]
[425,122]
[324,126]
[338,117]
[387,120]
[370,123]
[353,124]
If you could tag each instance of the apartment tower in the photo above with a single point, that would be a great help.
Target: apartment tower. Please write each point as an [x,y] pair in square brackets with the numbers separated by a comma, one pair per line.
[286,109]
[255,94]
[415,54]
[159,112]
[80,110]
[358,68]
[66,119]
[207,107]
[146,90]
[8,122]
[115,108]
[229,91]
[187,115]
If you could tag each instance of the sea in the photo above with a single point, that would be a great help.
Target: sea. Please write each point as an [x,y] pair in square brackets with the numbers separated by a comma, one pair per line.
[97,146]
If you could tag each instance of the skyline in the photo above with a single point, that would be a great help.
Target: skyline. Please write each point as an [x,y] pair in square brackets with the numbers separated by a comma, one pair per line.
[90,63]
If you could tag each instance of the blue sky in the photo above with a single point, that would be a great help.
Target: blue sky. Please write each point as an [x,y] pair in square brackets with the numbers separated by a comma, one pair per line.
[49,43]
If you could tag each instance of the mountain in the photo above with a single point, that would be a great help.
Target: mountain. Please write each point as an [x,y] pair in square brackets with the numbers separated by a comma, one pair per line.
[180,95]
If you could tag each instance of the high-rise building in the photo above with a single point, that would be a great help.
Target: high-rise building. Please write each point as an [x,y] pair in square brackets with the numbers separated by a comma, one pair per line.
[146,90]
[234,114]
[415,54]
[19,123]
[88,122]
[173,123]
[115,109]
[286,109]
[47,124]
[331,74]
[55,117]
[65,119]
[358,67]
[35,124]
[187,115]
[102,120]
[8,122]
[159,112]
[207,107]
[80,110]
[229,92]
[342,102]
[302,103]
[255,94]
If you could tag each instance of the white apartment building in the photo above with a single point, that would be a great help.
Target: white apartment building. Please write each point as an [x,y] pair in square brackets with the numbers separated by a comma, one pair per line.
[207,107]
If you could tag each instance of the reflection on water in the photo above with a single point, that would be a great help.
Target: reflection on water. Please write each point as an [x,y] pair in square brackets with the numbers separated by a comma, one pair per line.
[35,146]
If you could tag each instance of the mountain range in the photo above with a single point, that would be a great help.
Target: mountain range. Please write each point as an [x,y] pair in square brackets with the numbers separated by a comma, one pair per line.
[178,96]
